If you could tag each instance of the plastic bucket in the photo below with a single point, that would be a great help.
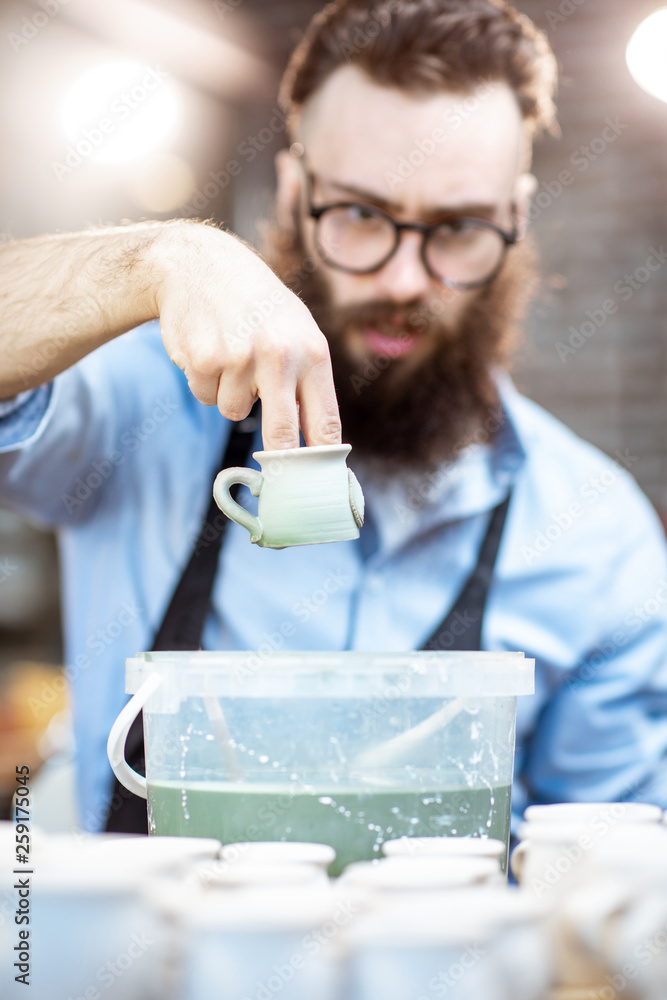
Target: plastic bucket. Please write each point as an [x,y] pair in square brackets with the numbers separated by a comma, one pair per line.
[347,749]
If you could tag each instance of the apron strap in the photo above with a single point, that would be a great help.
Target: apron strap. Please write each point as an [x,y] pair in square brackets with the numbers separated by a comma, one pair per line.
[461,628]
[183,621]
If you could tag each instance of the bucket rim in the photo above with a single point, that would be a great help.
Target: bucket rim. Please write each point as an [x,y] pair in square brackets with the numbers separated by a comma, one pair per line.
[471,673]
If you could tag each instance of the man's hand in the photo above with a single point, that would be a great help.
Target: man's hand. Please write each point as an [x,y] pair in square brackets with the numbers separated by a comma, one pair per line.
[238,333]
[230,324]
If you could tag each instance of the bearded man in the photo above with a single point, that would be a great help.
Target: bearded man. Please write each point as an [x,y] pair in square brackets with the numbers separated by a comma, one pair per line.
[400,220]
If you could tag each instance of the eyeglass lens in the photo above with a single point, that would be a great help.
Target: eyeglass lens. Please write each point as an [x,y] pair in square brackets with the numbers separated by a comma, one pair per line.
[356,239]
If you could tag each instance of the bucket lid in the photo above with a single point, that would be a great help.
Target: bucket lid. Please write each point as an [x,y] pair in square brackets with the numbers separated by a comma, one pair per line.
[333,674]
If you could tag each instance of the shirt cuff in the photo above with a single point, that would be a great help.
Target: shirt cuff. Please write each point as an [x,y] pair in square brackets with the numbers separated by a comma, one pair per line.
[21,416]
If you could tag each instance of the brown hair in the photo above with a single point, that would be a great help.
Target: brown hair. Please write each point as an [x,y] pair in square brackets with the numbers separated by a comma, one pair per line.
[426,45]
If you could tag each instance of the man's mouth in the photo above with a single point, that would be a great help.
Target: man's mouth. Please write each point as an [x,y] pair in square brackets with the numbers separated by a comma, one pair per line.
[389,341]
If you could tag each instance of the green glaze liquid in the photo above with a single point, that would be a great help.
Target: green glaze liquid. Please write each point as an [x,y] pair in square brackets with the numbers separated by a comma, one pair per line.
[355,821]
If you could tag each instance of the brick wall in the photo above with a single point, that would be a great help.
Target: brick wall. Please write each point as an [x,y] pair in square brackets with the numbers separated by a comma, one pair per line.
[600,228]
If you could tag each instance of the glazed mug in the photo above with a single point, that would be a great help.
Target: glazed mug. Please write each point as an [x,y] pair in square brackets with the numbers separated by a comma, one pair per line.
[306,495]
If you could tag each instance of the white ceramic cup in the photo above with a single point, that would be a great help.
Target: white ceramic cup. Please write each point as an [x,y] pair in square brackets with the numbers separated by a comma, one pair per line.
[274,852]
[465,944]
[615,813]
[609,928]
[220,874]
[306,495]
[548,855]
[92,933]
[555,838]
[255,943]
[402,874]
[444,847]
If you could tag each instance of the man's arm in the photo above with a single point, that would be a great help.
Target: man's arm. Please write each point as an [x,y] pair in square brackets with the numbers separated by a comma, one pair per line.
[601,731]
[226,320]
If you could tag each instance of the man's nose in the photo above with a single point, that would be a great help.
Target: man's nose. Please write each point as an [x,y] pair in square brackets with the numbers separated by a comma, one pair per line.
[404,277]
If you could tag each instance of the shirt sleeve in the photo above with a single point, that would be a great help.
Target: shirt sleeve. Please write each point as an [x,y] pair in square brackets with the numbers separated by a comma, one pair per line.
[58,442]
[601,734]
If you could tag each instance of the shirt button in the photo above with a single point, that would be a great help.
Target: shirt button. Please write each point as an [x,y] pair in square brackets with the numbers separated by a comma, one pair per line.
[375,583]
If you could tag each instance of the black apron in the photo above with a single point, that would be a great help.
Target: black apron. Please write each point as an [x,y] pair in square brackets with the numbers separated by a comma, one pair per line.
[184,619]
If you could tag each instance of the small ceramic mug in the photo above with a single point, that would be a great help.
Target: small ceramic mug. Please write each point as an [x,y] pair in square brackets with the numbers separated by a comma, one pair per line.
[306,495]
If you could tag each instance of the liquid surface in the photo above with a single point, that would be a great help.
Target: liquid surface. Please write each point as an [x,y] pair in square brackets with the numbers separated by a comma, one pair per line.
[355,822]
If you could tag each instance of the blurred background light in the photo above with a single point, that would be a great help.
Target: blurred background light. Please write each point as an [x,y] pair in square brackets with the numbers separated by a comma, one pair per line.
[646,54]
[120,111]
[162,183]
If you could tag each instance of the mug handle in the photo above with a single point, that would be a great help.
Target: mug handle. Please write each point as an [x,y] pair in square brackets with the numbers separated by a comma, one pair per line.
[517,859]
[127,776]
[247,477]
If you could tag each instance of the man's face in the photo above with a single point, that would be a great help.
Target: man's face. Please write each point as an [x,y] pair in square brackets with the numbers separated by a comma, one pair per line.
[421,158]
[372,144]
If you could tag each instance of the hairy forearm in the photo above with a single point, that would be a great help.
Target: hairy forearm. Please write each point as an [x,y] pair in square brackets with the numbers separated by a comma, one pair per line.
[63,296]
[226,320]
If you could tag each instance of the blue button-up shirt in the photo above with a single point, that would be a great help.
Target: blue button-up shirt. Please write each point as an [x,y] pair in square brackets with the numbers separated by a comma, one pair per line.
[119,456]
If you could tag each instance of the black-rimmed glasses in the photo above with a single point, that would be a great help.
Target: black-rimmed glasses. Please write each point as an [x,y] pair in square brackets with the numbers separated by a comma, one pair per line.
[459,252]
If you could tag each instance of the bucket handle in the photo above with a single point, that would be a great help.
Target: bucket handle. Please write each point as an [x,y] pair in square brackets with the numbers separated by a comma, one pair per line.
[127,776]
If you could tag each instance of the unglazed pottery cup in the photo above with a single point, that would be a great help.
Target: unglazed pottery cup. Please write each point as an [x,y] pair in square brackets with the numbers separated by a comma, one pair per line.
[556,837]
[608,813]
[444,847]
[306,495]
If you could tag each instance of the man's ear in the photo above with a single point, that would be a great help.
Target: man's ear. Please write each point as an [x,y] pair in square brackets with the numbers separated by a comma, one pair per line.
[288,190]
[524,189]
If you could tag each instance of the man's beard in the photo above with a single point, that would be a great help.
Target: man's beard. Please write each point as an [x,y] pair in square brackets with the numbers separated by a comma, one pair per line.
[395,411]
